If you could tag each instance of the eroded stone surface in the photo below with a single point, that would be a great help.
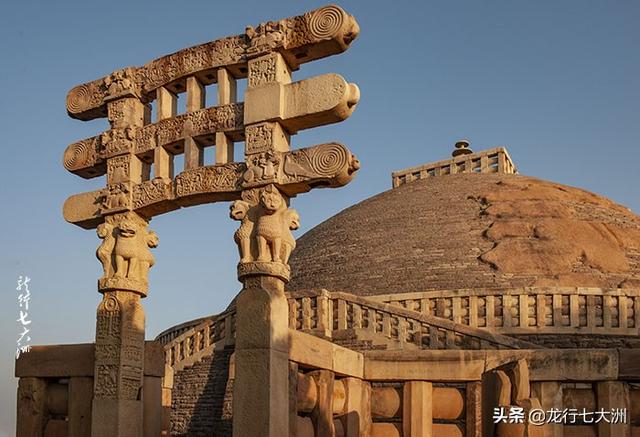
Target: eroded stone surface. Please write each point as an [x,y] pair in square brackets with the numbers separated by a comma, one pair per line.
[472,231]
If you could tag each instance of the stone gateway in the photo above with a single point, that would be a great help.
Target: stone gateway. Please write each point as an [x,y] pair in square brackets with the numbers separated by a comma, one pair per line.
[468,300]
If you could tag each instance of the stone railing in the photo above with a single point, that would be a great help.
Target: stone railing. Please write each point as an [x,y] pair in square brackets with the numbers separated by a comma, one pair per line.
[462,319]
[169,334]
[496,160]
[329,314]
[200,340]
[326,314]
[531,310]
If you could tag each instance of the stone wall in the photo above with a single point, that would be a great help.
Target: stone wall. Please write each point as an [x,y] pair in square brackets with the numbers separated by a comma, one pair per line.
[201,398]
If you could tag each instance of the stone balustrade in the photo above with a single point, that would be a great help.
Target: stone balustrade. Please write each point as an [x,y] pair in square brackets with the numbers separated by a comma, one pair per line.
[496,160]
[326,315]
[571,310]
[200,340]
[432,320]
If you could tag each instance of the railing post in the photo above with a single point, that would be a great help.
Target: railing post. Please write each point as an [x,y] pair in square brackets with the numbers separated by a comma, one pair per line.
[228,330]
[342,314]
[325,326]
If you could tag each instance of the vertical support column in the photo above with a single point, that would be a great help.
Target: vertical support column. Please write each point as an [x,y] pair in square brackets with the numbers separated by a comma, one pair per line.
[322,414]
[117,409]
[324,315]
[226,95]
[152,406]
[613,395]
[167,107]
[193,153]
[550,396]
[357,419]
[473,407]
[293,398]
[80,395]
[417,409]
[162,163]
[167,104]
[32,397]
[502,163]
[195,94]
[124,168]
[167,387]
[118,376]
[265,138]
[261,388]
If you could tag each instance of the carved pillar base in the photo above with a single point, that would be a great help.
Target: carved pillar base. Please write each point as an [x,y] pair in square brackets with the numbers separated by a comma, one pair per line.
[261,387]
[119,363]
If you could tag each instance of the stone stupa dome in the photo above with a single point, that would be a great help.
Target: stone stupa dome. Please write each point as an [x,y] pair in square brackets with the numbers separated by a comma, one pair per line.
[472,231]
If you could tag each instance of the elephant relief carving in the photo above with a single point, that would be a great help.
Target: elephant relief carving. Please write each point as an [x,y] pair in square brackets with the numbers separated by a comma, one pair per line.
[265,230]
[124,251]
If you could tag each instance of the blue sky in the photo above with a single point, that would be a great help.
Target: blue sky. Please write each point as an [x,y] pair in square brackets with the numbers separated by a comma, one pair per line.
[556,82]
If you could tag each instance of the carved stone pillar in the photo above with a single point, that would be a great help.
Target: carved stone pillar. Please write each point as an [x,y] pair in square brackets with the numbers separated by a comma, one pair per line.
[261,387]
[119,351]
[261,393]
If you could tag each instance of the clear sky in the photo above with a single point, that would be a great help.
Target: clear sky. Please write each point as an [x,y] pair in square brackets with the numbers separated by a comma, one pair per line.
[555,81]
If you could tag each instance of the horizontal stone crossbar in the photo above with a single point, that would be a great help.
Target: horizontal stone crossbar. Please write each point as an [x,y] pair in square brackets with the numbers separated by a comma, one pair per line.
[317,34]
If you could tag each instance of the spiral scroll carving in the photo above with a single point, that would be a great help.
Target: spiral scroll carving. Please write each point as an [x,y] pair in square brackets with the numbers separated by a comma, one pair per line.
[77,155]
[326,22]
[328,159]
[111,304]
[79,99]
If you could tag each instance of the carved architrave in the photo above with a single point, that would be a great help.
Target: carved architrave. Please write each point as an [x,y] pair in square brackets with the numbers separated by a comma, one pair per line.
[314,35]
[122,83]
[83,158]
[294,172]
[266,37]
[331,162]
[209,179]
[151,192]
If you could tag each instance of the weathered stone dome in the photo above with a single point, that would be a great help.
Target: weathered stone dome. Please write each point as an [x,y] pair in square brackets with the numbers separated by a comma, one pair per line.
[472,231]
